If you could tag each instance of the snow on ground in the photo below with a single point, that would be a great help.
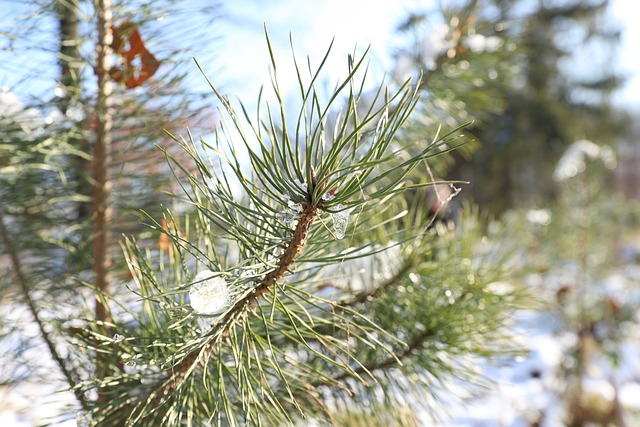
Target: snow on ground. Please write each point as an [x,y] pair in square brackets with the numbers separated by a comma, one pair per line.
[531,390]
[33,401]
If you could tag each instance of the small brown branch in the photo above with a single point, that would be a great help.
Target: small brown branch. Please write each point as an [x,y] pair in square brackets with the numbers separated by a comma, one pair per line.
[391,282]
[23,282]
[391,361]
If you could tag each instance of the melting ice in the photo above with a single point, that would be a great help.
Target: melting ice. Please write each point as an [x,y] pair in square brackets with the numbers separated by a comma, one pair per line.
[340,221]
[208,294]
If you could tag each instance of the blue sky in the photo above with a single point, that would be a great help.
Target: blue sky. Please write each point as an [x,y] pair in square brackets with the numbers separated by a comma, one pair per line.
[244,59]
[351,24]
[627,12]
[241,61]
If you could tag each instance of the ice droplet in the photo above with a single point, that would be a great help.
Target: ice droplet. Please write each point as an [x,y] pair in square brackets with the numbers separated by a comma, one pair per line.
[287,216]
[340,221]
[205,324]
[291,213]
[302,185]
[83,419]
[118,338]
[208,294]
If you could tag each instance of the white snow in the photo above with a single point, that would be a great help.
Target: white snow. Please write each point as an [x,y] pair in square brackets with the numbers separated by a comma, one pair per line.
[539,216]
[574,160]
[533,388]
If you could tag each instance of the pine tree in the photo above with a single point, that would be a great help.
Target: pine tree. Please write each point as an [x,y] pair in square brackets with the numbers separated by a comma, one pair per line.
[510,67]
[301,284]
[78,162]
[298,286]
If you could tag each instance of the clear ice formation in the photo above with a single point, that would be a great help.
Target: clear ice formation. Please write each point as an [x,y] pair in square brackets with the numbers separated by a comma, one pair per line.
[208,294]
[340,221]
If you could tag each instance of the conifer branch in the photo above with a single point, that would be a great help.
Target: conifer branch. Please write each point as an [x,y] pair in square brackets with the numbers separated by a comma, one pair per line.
[395,360]
[364,296]
[302,342]
[241,308]
[23,282]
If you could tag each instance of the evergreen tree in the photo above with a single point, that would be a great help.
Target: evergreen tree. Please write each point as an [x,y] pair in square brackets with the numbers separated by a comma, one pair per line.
[78,162]
[555,104]
[299,284]
[514,67]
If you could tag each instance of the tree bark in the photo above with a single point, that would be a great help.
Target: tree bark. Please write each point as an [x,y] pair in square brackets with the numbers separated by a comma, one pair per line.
[101,164]
[69,61]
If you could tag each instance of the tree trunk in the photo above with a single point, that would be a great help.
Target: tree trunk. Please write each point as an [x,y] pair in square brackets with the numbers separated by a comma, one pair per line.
[69,60]
[101,163]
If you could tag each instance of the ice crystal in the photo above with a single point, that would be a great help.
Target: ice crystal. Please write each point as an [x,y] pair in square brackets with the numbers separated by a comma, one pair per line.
[208,294]
[340,221]
[83,419]
[205,323]
[302,185]
[327,197]
[287,216]
[291,213]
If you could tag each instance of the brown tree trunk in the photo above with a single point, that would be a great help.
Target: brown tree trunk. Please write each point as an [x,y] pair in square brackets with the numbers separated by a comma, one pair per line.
[69,57]
[69,61]
[101,163]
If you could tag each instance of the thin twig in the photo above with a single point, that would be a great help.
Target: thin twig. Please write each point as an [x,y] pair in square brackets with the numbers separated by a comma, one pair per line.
[23,281]
[387,284]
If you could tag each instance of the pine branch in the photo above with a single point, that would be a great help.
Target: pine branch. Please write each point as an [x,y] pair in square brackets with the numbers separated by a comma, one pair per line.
[396,360]
[364,296]
[244,305]
[23,281]
[272,341]
[466,19]
[234,316]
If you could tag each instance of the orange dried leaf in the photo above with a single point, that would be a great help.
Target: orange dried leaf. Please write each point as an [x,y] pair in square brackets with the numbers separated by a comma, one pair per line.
[127,34]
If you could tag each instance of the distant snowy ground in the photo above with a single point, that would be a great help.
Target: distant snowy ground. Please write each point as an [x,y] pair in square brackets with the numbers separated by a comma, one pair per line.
[528,391]
[35,401]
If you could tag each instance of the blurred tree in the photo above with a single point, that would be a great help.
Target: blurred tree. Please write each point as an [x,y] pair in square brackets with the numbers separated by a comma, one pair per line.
[78,163]
[515,67]
[588,295]
[555,103]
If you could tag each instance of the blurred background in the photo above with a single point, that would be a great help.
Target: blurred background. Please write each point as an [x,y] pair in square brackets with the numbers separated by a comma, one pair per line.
[549,91]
